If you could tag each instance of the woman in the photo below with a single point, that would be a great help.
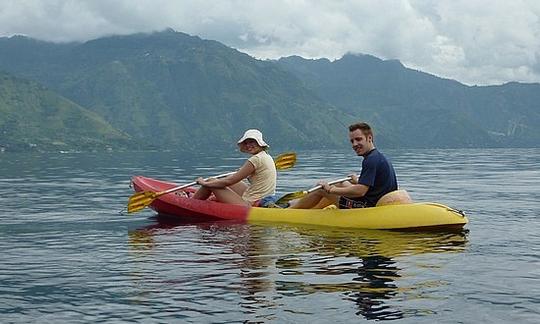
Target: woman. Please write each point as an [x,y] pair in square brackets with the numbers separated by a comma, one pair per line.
[259,170]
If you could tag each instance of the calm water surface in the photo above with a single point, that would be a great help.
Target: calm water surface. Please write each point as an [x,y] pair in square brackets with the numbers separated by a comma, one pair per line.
[68,255]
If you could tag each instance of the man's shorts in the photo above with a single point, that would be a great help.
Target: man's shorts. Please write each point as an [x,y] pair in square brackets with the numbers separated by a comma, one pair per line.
[348,203]
[268,201]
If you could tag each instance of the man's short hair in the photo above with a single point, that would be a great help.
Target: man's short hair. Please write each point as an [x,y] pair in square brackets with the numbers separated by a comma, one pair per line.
[364,127]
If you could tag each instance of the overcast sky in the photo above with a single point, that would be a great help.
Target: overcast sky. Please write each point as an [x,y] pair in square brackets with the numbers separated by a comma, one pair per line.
[472,41]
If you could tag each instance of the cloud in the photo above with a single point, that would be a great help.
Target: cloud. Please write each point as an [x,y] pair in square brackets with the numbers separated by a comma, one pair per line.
[475,42]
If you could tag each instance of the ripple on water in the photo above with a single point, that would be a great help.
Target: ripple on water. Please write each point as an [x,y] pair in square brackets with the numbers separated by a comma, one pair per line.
[69,256]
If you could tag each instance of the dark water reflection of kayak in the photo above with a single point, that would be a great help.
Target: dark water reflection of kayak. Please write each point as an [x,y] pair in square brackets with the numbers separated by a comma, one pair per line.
[356,266]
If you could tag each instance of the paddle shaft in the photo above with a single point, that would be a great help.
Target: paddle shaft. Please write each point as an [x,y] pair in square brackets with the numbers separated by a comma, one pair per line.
[300,194]
[329,183]
[187,185]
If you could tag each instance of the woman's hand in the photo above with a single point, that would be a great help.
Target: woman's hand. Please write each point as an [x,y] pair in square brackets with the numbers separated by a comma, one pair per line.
[201,181]
[211,182]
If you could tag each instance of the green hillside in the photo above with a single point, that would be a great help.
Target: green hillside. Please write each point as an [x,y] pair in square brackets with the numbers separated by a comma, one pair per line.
[34,118]
[421,109]
[181,92]
[173,91]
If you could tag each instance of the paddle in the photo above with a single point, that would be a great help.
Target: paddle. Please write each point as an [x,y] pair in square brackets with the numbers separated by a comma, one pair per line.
[299,194]
[140,200]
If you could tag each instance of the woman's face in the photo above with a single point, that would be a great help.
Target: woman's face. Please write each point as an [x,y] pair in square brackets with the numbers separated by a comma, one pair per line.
[250,146]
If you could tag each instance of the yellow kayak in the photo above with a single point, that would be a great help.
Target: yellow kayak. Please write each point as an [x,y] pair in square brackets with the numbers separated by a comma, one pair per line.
[405,216]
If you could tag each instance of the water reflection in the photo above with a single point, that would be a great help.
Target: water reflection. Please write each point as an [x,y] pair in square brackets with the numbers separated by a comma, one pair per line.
[379,273]
[274,265]
[362,266]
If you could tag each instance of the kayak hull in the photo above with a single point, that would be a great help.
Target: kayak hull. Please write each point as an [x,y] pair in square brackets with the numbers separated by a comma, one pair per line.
[417,216]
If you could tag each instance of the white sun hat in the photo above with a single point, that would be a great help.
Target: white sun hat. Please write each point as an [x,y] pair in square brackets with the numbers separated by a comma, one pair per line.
[254,134]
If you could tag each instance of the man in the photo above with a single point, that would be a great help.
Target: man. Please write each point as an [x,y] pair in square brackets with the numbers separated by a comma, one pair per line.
[376,179]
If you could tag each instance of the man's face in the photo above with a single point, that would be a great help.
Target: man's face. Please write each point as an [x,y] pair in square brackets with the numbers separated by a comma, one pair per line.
[361,143]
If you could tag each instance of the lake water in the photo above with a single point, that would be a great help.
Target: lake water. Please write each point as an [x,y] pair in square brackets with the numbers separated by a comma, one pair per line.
[68,255]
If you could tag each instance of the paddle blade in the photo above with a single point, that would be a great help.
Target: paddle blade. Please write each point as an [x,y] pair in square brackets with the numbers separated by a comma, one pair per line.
[140,200]
[285,161]
[290,196]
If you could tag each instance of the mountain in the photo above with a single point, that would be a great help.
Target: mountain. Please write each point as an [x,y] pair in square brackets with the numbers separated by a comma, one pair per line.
[421,109]
[170,90]
[34,118]
[178,91]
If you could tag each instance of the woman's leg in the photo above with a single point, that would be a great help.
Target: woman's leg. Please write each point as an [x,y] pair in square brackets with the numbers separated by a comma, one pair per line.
[203,193]
[239,188]
[227,195]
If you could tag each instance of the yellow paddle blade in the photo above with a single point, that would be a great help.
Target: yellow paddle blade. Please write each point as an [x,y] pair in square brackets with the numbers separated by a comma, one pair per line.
[291,196]
[285,161]
[140,200]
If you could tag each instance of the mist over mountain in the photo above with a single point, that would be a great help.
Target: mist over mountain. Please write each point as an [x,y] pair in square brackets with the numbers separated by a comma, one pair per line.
[169,90]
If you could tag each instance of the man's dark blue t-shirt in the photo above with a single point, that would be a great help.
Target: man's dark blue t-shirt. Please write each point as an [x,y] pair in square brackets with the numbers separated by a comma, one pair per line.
[378,174]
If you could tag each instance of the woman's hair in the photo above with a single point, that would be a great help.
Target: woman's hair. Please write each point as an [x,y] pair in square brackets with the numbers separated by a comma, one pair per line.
[364,127]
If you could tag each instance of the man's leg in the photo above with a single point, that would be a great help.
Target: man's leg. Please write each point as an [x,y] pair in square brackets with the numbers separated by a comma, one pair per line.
[317,199]
[325,202]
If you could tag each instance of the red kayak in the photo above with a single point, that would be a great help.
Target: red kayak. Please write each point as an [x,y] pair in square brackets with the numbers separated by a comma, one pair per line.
[175,204]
